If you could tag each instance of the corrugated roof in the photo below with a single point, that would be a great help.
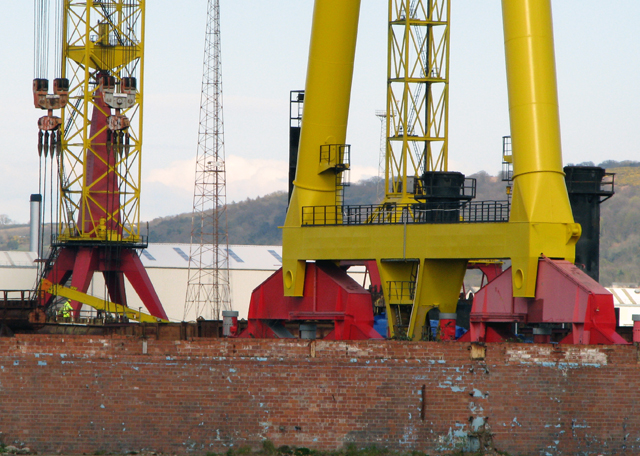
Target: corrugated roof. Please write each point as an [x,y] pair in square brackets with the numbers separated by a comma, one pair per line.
[625,296]
[248,257]
[628,301]
[16,259]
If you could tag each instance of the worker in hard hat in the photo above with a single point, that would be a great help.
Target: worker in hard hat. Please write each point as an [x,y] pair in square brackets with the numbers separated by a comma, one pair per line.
[66,309]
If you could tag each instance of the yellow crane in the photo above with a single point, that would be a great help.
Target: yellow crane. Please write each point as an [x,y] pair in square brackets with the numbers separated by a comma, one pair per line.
[540,221]
[422,235]
[97,303]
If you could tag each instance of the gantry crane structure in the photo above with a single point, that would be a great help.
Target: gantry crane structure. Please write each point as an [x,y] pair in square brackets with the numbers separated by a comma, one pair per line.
[98,157]
[422,236]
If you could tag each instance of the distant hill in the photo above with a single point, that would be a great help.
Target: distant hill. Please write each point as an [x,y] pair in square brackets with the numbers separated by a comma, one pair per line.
[620,228]
[256,221]
[250,222]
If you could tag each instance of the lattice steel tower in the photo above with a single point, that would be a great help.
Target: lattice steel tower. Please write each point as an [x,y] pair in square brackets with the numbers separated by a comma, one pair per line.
[418,92]
[208,290]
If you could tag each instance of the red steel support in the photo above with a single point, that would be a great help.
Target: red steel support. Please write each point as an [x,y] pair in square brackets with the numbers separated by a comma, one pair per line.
[564,294]
[329,295]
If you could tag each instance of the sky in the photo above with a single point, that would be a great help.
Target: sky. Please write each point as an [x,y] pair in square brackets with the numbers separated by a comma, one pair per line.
[264,56]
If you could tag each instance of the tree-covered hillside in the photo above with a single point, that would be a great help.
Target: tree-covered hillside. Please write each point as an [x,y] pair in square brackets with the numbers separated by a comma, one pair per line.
[256,221]
[620,228]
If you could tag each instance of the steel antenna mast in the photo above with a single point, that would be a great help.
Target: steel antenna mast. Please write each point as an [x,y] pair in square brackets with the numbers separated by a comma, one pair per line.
[208,289]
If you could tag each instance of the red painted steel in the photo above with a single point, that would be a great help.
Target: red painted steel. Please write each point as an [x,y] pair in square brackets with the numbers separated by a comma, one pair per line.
[448,329]
[636,331]
[329,295]
[564,294]
[104,196]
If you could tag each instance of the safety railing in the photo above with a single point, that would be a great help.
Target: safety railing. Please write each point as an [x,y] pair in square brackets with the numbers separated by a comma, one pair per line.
[17,298]
[336,156]
[401,291]
[394,214]
[141,242]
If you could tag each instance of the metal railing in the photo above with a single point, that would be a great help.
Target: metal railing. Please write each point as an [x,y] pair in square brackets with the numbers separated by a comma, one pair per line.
[401,291]
[394,214]
[140,243]
[17,298]
[335,155]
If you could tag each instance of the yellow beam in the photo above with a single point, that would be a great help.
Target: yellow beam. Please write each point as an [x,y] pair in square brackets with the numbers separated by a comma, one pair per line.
[97,303]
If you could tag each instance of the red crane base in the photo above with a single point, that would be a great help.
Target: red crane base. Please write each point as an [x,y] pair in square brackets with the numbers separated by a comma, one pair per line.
[329,295]
[564,294]
[80,263]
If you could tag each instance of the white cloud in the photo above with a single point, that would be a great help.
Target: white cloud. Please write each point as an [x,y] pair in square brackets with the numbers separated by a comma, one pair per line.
[246,178]
[363,172]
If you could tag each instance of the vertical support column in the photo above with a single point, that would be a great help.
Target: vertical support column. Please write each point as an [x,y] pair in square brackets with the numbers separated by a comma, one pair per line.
[439,285]
[540,202]
[326,110]
[586,191]
[539,192]
[326,103]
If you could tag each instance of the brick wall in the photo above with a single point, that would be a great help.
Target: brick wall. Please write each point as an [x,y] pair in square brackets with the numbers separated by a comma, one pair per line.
[83,394]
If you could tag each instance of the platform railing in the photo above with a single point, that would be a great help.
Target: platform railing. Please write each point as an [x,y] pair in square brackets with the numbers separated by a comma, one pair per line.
[419,213]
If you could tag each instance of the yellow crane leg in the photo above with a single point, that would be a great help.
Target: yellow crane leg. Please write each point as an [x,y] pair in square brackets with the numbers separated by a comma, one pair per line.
[97,303]
[439,285]
[397,286]
[326,110]
[533,109]
[539,196]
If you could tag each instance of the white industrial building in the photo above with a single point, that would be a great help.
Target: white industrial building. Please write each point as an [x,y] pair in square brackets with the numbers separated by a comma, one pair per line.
[249,266]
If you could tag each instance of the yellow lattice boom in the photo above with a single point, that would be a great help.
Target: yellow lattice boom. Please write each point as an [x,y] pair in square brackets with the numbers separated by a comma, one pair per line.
[103,58]
[417,93]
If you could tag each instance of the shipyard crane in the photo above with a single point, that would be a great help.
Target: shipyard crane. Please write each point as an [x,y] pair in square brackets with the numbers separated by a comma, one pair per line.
[95,147]
[419,240]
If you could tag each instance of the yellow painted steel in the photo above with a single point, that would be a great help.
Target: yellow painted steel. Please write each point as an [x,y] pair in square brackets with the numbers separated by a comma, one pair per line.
[105,36]
[417,93]
[437,287]
[434,256]
[326,109]
[540,193]
[97,303]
